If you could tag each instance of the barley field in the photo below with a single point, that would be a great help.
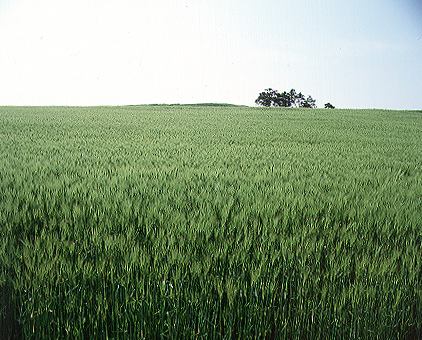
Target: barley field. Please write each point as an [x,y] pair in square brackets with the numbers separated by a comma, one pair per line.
[210,222]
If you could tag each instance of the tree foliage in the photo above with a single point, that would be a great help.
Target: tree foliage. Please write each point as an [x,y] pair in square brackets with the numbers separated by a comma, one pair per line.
[270,97]
[329,106]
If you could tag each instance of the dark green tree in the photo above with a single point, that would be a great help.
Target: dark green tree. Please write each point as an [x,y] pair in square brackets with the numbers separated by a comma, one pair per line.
[295,98]
[272,97]
[269,98]
[329,106]
[286,99]
[309,102]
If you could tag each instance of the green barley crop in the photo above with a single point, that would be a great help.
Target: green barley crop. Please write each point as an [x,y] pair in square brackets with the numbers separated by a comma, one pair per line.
[210,222]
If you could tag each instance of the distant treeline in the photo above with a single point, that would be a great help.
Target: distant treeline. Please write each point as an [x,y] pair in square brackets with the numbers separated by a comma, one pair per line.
[270,97]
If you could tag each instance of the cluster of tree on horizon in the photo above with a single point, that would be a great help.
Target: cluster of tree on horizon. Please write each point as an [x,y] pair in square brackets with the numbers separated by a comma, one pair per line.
[272,97]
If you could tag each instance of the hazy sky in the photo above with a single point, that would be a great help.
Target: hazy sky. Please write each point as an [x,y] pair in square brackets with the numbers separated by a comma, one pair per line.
[352,53]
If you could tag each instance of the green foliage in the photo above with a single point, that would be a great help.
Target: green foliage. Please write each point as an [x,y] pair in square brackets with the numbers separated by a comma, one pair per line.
[272,97]
[210,222]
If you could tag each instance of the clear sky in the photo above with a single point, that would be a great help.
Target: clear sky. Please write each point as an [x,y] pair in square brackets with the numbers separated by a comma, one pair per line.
[352,53]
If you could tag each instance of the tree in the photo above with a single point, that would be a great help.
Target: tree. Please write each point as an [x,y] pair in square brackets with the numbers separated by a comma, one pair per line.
[309,102]
[329,106]
[272,97]
[295,98]
[286,99]
[269,98]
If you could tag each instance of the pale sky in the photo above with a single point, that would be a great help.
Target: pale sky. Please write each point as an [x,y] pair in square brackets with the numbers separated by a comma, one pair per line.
[352,53]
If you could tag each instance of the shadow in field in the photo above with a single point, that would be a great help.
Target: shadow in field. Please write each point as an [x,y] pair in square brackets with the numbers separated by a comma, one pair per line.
[9,326]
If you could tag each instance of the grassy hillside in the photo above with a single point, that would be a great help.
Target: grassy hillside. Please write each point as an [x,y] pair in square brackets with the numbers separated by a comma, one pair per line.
[210,222]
